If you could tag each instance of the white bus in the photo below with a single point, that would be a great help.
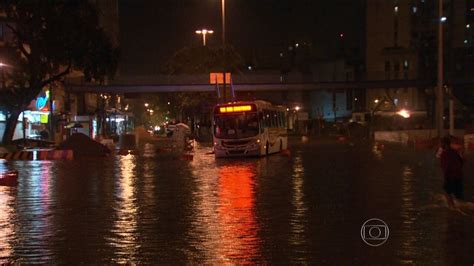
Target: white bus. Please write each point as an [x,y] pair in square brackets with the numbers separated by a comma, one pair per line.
[252,128]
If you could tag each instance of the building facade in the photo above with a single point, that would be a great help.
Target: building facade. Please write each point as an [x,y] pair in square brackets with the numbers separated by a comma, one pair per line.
[54,109]
[402,44]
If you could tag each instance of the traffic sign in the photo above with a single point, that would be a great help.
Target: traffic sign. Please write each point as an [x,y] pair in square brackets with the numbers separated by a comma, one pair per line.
[219,78]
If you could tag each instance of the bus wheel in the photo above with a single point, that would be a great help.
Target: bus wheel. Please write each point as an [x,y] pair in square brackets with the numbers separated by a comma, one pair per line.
[266,148]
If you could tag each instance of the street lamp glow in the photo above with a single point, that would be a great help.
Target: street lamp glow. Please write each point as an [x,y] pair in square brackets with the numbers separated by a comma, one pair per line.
[297,108]
[146,104]
[2,64]
[376,101]
[443,19]
[204,33]
[404,113]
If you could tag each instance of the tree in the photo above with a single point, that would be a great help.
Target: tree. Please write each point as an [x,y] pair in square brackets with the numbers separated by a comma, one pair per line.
[45,41]
[203,60]
[198,60]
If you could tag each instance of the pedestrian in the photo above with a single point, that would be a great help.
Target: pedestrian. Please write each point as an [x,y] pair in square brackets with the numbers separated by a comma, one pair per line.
[452,165]
[44,134]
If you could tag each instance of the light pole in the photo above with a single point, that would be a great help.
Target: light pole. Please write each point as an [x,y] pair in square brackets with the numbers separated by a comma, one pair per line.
[223,21]
[440,87]
[224,50]
[204,32]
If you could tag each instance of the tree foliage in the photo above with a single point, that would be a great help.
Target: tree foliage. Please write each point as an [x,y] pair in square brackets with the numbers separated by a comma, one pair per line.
[203,60]
[44,42]
[194,61]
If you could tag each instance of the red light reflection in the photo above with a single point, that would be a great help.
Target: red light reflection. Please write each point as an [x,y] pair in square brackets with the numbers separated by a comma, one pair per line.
[236,213]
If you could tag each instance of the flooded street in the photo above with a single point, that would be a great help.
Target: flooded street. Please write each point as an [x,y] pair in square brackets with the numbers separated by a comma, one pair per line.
[305,208]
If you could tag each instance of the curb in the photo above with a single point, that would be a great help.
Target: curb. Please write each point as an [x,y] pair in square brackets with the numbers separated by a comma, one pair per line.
[39,155]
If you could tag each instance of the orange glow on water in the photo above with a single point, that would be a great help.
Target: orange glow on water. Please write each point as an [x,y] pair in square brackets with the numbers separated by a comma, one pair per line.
[6,227]
[237,212]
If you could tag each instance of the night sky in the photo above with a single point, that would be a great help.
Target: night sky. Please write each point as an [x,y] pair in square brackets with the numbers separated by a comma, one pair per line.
[151,31]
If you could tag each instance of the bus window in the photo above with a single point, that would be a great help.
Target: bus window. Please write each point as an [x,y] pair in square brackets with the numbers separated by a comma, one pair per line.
[267,119]
[281,119]
[261,119]
[275,117]
[270,119]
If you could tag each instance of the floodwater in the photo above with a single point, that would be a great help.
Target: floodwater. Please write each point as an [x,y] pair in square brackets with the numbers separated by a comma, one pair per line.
[305,208]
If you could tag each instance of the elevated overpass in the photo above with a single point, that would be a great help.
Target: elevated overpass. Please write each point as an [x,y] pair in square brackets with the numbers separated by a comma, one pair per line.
[250,82]
[282,86]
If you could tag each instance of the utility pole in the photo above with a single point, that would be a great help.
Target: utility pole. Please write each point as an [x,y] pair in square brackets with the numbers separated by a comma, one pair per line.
[451,116]
[51,114]
[440,87]
[224,51]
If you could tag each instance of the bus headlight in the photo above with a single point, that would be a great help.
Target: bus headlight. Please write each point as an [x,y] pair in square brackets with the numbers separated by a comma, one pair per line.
[255,143]
[217,146]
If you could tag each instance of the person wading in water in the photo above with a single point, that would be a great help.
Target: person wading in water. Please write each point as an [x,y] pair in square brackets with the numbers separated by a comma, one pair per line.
[452,165]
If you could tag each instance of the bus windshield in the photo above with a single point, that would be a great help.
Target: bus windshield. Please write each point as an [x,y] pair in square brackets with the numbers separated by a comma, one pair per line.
[236,126]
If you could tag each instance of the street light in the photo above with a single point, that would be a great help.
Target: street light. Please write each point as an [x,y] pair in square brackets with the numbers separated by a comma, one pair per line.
[146,104]
[404,113]
[204,32]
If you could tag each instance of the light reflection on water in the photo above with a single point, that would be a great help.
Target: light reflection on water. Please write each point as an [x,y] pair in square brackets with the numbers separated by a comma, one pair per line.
[124,227]
[156,210]
[34,211]
[408,214]
[7,200]
[298,217]
[237,225]
[225,222]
